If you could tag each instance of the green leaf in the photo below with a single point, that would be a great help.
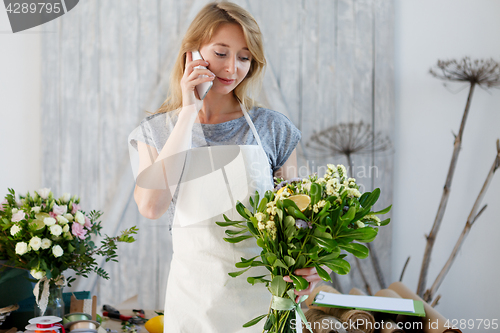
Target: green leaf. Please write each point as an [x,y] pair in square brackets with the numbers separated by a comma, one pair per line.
[299,282]
[339,266]
[289,222]
[372,198]
[359,250]
[279,263]
[365,235]
[277,286]
[334,255]
[251,228]
[323,234]
[271,258]
[324,210]
[279,212]
[245,262]
[295,212]
[322,273]
[235,274]
[315,193]
[237,239]
[256,279]
[261,243]
[289,261]
[327,244]
[256,201]
[231,233]
[383,211]
[301,261]
[385,222]
[242,210]
[269,195]
[263,205]
[254,321]
[348,216]
[228,224]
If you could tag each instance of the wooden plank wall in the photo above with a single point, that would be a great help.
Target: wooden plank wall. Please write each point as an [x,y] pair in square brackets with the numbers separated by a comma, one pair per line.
[107,62]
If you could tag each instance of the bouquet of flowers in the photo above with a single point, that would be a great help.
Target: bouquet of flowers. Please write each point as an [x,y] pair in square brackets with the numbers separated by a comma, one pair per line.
[304,223]
[47,236]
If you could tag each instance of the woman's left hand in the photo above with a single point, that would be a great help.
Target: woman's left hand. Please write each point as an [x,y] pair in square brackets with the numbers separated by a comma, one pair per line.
[310,275]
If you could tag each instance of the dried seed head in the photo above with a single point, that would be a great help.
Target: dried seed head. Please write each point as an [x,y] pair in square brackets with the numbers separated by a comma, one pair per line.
[483,72]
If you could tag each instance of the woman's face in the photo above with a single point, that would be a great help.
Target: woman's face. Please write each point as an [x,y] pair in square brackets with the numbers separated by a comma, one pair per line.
[228,57]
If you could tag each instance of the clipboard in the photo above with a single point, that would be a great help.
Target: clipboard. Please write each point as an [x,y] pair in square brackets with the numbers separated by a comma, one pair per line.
[403,306]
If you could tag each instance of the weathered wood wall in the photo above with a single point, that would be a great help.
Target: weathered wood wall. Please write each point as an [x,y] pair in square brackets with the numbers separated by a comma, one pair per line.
[106,62]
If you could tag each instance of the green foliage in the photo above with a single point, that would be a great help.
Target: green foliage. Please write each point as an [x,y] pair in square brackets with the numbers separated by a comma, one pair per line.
[55,235]
[338,219]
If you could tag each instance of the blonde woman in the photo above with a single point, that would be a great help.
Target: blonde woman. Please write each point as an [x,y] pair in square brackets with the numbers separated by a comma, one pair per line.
[196,158]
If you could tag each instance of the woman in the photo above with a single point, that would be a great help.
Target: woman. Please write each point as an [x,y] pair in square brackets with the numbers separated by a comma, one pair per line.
[198,157]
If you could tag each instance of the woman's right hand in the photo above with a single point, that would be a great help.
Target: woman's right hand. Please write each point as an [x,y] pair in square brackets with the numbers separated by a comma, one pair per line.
[192,78]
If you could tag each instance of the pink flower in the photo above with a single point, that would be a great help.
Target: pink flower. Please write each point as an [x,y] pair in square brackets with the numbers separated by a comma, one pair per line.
[52,214]
[18,216]
[76,207]
[78,230]
[88,225]
[2,203]
[59,210]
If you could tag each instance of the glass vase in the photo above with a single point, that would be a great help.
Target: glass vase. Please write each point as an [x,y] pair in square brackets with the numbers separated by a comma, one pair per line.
[55,304]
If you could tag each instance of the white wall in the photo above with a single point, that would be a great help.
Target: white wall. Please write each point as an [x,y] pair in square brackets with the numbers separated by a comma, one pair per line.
[426,115]
[20,96]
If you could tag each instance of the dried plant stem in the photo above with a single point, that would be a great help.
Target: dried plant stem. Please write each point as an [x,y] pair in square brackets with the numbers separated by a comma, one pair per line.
[363,277]
[404,269]
[474,214]
[444,198]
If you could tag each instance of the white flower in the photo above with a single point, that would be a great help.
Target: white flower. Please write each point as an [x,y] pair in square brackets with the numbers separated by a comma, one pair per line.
[46,243]
[36,209]
[307,186]
[44,193]
[57,251]
[62,220]
[56,229]
[21,248]
[37,274]
[15,229]
[35,243]
[261,226]
[260,216]
[49,221]
[65,228]
[360,224]
[353,193]
[14,210]
[69,217]
[65,197]
[80,218]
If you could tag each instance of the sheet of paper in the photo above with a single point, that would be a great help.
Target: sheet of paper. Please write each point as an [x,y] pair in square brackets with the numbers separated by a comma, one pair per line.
[366,302]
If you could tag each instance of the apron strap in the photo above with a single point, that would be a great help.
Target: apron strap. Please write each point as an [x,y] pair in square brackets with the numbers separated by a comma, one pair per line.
[252,126]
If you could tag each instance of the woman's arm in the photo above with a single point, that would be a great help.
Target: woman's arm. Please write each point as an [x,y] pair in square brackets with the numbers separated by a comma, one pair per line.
[289,169]
[153,203]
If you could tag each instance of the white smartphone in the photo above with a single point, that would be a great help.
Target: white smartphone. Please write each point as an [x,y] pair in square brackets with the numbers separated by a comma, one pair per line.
[204,87]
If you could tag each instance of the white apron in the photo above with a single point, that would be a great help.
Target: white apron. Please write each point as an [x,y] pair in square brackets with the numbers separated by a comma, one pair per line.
[201,296]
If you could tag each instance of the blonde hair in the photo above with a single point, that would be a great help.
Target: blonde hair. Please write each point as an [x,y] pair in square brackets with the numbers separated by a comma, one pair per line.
[201,30]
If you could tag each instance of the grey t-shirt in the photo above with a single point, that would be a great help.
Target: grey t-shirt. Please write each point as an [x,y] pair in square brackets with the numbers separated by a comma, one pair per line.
[278,135]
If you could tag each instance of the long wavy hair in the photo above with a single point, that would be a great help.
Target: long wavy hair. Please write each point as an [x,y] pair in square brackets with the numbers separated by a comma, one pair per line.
[201,30]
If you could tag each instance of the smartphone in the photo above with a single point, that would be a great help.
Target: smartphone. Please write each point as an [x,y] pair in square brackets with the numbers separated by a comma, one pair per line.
[204,87]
